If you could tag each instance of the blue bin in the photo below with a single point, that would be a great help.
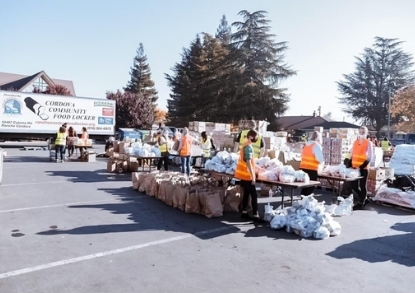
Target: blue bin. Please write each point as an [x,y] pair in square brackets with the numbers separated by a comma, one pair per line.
[131,133]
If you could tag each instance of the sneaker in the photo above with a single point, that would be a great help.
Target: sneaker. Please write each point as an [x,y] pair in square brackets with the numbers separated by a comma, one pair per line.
[246,216]
[358,207]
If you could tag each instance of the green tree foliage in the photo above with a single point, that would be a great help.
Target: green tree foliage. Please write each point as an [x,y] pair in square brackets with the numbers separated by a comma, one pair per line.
[133,110]
[380,72]
[224,31]
[141,81]
[260,69]
[231,76]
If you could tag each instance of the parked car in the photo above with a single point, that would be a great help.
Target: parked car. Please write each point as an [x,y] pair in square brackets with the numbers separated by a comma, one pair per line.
[408,138]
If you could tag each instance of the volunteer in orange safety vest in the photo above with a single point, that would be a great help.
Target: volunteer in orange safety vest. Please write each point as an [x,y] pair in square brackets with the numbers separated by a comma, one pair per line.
[185,150]
[361,154]
[245,172]
[311,158]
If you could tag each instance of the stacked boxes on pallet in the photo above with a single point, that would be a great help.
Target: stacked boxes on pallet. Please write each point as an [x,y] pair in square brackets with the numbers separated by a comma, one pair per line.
[118,161]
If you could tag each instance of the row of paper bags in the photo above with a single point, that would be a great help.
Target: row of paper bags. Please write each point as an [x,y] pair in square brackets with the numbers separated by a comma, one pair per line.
[192,195]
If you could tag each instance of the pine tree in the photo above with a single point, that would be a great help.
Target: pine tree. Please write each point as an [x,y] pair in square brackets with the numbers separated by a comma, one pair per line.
[260,68]
[223,33]
[184,83]
[380,73]
[141,81]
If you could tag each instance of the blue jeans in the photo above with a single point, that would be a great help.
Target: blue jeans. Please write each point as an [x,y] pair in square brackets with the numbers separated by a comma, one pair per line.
[185,165]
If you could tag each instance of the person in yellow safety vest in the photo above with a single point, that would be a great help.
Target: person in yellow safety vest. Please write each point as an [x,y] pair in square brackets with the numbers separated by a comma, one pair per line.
[246,173]
[303,137]
[206,143]
[311,159]
[60,143]
[361,154]
[163,143]
[258,146]
[385,144]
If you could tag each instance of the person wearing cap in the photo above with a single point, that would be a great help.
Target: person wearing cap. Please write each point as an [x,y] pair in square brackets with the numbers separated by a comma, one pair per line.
[311,159]
[258,146]
[245,171]
[361,154]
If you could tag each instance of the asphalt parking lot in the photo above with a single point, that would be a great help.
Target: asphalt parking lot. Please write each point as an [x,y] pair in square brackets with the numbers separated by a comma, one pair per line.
[73,227]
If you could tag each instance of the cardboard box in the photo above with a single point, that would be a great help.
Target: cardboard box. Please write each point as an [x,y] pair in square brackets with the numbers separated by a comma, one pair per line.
[294,163]
[111,166]
[115,145]
[376,174]
[389,173]
[91,158]
[122,146]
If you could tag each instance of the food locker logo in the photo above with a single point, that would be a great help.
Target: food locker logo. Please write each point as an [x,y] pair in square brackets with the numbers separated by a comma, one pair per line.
[12,107]
[36,108]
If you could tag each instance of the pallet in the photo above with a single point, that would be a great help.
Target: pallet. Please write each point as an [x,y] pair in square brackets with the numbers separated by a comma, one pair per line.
[391,205]
[34,148]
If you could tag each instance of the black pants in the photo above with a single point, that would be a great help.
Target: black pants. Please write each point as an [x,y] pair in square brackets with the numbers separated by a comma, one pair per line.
[249,190]
[164,158]
[313,176]
[359,186]
[71,149]
[59,149]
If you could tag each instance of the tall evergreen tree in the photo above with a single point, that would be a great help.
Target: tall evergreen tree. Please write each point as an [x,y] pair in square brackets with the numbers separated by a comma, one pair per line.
[141,81]
[184,82]
[380,73]
[260,65]
[224,32]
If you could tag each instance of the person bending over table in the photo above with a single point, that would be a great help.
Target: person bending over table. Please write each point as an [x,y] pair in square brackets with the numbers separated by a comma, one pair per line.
[361,154]
[246,173]
[311,158]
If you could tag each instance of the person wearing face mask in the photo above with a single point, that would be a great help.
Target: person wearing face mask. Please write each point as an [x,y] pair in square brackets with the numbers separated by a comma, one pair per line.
[246,173]
[361,154]
[258,146]
[311,159]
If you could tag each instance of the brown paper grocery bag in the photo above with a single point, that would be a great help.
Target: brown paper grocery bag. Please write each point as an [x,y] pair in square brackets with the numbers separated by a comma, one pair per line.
[141,181]
[135,179]
[212,204]
[192,205]
[170,190]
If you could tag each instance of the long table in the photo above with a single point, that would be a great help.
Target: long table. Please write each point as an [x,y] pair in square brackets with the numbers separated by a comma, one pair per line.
[292,186]
[335,183]
[150,161]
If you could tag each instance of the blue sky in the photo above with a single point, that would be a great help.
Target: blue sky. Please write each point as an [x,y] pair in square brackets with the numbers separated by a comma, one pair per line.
[93,42]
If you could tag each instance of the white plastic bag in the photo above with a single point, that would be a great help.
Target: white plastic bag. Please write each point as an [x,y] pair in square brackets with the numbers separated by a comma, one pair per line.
[321,233]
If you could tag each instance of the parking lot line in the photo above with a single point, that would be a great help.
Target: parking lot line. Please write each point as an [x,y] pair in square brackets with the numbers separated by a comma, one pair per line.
[109,252]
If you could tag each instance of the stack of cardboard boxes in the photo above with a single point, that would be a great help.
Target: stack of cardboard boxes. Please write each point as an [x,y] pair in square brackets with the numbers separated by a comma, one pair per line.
[119,161]
[199,126]
[376,179]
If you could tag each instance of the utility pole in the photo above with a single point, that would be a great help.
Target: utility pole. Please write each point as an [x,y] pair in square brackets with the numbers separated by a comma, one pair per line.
[319,111]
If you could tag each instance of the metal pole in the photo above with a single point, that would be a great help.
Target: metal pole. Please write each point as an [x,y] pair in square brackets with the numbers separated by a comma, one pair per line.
[389,118]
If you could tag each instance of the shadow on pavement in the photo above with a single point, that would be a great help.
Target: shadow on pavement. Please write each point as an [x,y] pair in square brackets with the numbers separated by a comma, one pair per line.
[148,214]
[26,159]
[90,176]
[395,248]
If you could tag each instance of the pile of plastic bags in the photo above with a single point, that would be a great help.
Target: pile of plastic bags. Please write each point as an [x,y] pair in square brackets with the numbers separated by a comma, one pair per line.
[308,218]
[274,170]
[341,171]
[223,162]
[144,151]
